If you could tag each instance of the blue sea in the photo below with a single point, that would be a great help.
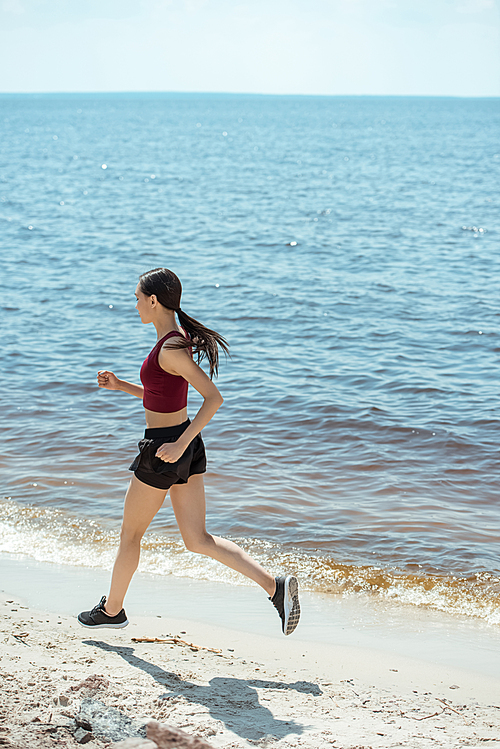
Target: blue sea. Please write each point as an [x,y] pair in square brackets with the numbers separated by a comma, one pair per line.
[346,247]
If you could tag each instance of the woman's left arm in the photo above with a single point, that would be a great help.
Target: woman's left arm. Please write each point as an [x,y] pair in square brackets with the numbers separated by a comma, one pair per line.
[179,362]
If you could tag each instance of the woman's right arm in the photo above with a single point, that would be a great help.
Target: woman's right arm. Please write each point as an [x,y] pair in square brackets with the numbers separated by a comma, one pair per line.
[110,381]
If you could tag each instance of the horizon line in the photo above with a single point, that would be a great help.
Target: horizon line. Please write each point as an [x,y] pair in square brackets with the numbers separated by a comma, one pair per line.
[244,93]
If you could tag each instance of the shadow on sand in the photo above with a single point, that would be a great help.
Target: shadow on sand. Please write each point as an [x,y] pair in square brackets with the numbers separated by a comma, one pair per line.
[235,702]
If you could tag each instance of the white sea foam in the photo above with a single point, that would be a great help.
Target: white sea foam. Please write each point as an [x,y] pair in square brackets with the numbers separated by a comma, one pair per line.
[49,535]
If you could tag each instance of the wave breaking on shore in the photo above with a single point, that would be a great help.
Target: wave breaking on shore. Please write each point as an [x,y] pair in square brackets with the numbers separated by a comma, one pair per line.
[56,536]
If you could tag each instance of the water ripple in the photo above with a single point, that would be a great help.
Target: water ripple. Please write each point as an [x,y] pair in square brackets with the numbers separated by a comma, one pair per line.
[352,268]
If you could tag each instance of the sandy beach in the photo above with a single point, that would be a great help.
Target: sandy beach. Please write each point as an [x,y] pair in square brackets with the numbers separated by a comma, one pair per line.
[230,687]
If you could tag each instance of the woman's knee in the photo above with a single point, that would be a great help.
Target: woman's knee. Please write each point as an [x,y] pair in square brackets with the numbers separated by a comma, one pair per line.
[131,536]
[200,544]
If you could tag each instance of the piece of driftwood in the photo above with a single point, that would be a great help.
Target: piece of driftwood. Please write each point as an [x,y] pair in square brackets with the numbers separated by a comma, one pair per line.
[175,641]
[443,702]
[432,715]
[445,706]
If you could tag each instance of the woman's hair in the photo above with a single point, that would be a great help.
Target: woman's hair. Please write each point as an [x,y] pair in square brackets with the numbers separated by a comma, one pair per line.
[167,288]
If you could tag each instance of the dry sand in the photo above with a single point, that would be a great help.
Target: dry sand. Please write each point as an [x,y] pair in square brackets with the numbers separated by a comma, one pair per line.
[232,689]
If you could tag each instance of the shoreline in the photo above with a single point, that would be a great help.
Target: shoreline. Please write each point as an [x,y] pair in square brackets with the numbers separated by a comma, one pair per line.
[235,686]
[353,622]
[58,536]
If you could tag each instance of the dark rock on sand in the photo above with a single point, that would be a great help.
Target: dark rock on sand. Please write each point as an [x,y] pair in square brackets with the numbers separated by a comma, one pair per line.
[107,722]
[82,736]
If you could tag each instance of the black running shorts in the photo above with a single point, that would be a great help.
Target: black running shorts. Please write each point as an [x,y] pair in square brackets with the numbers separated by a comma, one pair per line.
[155,472]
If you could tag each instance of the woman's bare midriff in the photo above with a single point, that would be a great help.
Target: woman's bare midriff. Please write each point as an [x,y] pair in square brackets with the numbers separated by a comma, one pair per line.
[154,419]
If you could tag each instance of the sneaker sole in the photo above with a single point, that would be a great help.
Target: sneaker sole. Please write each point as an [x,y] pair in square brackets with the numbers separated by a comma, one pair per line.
[292,605]
[103,626]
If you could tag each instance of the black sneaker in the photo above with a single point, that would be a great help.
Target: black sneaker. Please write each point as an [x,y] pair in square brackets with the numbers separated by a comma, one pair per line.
[286,602]
[98,619]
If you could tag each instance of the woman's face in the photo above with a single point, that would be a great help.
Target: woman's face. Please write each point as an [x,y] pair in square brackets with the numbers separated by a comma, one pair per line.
[145,305]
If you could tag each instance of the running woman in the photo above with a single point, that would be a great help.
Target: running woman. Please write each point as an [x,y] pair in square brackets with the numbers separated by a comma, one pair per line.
[172,453]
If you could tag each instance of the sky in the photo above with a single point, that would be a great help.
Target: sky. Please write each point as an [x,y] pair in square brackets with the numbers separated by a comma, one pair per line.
[331,47]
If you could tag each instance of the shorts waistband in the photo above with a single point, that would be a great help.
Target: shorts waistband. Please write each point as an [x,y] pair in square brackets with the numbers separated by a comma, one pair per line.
[158,432]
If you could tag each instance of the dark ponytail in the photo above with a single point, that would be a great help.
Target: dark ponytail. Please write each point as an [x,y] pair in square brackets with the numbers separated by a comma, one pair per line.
[168,289]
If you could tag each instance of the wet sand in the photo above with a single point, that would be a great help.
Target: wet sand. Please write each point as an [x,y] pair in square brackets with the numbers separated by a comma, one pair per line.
[232,687]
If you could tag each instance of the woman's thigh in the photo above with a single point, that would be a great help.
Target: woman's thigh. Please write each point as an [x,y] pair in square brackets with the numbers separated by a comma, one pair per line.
[142,502]
[188,502]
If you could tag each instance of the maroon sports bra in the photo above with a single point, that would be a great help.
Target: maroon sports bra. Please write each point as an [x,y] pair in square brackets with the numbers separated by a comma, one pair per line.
[163,392]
